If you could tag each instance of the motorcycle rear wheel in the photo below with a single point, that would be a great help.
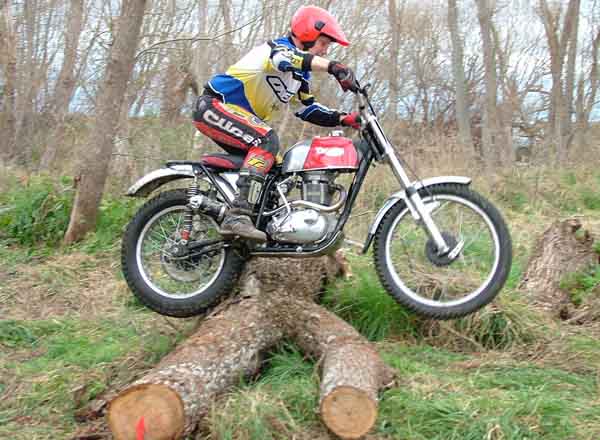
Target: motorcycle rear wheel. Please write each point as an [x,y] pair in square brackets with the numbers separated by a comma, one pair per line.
[171,286]
[443,287]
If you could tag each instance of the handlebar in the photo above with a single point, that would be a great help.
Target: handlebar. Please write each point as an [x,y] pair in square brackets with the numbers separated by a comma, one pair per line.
[363,96]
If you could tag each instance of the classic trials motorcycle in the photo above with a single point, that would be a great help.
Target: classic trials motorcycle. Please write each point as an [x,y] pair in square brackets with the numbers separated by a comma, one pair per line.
[440,249]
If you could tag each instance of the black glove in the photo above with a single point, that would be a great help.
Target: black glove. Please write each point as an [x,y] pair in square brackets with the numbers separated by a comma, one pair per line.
[344,75]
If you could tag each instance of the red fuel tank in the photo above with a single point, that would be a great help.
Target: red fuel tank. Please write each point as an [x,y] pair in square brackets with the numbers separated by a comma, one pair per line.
[331,152]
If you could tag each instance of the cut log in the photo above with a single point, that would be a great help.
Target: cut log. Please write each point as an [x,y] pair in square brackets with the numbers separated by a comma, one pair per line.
[563,248]
[225,348]
[275,301]
[352,376]
[352,371]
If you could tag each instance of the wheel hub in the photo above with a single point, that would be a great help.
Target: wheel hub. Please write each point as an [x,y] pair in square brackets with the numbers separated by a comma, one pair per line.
[444,259]
[184,270]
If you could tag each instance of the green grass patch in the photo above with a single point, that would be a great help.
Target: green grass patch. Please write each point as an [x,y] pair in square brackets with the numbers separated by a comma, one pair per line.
[113,217]
[591,199]
[364,303]
[569,178]
[36,215]
[515,274]
[36,212]
[19,334]
[411,360]
[279,405]
[580,285]
[438,397]
[506,323]
[444,415]
[252,414]
[54,357]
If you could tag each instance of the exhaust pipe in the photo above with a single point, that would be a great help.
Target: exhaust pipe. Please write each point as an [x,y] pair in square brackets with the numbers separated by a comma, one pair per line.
[209,206]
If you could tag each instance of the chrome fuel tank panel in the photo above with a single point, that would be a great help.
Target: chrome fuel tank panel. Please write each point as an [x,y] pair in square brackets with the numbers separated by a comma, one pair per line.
[295,157]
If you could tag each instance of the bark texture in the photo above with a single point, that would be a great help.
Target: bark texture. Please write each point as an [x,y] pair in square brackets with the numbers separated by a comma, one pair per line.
[95,163]
[490,130]
[8,63]
[562,45]
[275,302]
[458,72]
[65,85]
[563,248]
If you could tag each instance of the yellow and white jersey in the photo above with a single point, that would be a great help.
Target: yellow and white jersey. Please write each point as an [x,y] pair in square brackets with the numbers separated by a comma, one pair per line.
[268,76]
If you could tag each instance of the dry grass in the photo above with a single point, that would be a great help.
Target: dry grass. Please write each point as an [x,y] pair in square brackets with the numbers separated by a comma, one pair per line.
[77,285]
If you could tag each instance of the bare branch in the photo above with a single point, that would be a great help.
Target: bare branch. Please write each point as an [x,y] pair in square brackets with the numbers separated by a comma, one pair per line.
[195,39]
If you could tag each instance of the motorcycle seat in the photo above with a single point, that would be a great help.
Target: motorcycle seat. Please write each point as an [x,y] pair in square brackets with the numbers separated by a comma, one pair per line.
[222,161]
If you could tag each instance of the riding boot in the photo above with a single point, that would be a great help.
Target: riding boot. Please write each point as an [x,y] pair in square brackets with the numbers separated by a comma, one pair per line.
[237,221]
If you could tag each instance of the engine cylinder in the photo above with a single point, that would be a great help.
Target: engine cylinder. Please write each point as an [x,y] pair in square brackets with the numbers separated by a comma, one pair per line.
[316,187]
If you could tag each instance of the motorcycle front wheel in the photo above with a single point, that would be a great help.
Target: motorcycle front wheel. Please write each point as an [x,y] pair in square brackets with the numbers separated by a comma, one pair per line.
[179,286]
[444,286]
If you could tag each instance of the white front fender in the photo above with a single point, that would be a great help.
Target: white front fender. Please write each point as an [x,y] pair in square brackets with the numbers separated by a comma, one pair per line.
[401,195]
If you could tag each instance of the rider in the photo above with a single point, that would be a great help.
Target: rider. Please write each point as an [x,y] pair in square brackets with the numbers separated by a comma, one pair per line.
[234,105]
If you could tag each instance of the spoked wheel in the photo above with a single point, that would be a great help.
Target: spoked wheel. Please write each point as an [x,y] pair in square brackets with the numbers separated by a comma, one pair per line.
[452,284]
[162,272]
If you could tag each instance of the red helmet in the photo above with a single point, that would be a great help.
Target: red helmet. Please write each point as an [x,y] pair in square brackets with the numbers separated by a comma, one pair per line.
[311,21]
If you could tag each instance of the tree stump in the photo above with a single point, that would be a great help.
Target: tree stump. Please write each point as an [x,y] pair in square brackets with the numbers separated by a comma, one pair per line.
[563,248]
[276,301]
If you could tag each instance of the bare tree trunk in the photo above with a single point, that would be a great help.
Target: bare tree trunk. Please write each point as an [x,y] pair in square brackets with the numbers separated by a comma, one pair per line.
[8,59]
[30,82]
[198,67]
[227,50]
[594,80]
[562,95]
[65,85]
[462,112]
[122,165]
[571,33]
[168,85]
[490,122]
[176,84]
[394,23]
[95,163]
[504,110]
[584,105]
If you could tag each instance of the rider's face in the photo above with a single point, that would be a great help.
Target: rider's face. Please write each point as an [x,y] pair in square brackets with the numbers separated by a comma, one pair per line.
[321,46]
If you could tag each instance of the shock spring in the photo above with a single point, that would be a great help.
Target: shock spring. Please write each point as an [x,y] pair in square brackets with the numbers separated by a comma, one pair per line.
[188,215]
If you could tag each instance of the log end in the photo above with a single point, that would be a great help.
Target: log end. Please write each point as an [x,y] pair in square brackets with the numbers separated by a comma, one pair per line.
[156,410]
[348,412]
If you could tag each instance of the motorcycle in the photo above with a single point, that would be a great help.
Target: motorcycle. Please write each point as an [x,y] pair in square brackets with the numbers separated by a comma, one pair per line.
[440,249]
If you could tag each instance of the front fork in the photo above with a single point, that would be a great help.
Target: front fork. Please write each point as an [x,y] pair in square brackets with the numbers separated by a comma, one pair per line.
[413,200]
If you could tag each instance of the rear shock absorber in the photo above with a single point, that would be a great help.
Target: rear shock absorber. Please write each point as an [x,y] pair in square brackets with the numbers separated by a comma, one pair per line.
[188,215]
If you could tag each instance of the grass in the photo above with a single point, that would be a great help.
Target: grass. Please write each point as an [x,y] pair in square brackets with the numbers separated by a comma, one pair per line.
[582,285]
[56,366]
[35,214]
[70,331]
[279,405]
[363,302]
[440,395]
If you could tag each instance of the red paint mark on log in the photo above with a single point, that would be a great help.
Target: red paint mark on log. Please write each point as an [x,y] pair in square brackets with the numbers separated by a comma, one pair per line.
[140,429]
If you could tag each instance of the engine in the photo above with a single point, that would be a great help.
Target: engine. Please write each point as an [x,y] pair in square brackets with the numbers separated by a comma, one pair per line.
[313,217]
[312,166]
